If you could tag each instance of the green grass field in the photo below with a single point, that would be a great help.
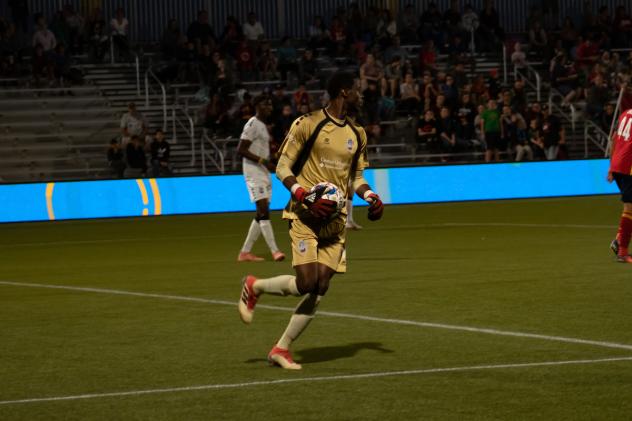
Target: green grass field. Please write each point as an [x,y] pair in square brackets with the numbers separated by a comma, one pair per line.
[421,276]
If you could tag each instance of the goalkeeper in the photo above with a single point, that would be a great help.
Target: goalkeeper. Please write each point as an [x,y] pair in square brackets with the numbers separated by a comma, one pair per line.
[322,146]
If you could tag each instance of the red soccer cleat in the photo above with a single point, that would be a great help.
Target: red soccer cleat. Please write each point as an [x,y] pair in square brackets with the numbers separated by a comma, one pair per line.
[624,258]
[282,358]
[248,299]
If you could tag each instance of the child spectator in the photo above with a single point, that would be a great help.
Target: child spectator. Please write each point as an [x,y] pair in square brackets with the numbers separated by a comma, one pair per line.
[136,159]
[491,130]
[427,130]
[116,161]
[160,153]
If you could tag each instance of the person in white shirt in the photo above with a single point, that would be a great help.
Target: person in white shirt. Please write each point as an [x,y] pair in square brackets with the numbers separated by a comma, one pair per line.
[44,37]
[120,26]
[132,124]
[254,147]
[253,30]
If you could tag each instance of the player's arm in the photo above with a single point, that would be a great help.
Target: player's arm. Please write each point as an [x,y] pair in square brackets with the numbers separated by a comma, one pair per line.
[289,152]
[362,187]
[243,148]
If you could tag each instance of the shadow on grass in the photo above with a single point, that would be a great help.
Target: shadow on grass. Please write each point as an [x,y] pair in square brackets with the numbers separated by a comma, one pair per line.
[330,353]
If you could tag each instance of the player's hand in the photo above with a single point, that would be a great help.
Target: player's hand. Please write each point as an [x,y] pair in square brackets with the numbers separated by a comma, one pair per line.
[610,178]
[319,207]
[271,166]
[376,207]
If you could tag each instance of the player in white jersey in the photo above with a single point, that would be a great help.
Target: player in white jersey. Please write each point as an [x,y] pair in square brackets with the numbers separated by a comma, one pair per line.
[254,147]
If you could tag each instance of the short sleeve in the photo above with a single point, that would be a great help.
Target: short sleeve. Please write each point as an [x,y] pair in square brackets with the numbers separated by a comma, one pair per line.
[249,132]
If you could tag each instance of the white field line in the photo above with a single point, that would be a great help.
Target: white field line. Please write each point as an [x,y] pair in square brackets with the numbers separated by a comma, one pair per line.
[470,329]
[202,237]
[315,379]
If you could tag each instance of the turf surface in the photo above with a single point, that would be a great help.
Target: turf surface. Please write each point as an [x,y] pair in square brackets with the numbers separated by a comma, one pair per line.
[540,266]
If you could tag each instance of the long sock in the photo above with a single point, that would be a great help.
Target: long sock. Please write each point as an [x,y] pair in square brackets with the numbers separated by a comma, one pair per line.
[279,285]
[253,234]
[268,234]
[303,315]
[350,210]
[625,233]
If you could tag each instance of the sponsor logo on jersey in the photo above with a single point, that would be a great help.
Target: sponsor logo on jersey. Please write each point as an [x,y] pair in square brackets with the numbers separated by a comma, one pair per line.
[349,145]
[302,247]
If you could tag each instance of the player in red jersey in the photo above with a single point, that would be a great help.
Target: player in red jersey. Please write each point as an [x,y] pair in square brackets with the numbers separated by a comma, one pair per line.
[621,172]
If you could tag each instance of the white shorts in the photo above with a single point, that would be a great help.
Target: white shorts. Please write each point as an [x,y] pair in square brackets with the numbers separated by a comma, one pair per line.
[259,187]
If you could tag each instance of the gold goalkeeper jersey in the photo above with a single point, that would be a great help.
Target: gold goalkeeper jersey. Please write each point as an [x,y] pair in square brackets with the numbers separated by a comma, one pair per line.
[321,148]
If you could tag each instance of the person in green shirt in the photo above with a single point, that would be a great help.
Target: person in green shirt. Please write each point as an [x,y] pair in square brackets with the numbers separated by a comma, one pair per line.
[491,130]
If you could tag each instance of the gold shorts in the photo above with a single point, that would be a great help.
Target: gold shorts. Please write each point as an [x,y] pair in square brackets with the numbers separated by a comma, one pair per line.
[322,242]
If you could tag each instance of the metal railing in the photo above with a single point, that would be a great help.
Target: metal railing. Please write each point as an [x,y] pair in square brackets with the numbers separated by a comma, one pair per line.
[538,79]
[187,125]
[595,134]
[572,118]
[149,76]
[218,160]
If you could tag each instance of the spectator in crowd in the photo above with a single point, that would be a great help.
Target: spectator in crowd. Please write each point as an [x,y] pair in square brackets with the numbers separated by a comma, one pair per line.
[200,32]
[465,132]
[216,115]
[427,131]
[518,57]
[232,34]
[120,27]
[338,37]
[300,97]
[467,108]
[60,63]
[283,123]
[452,19]
[450,91]
[469,23]
[252,28]
[287,58]
[564,78]
[622,28]
[538,40]
[75,24]
[371,102]
[318,34]
[386,28]
[428,90]
[478,121]
[98,41]
[43,36]
[160,152]
[136,159]
[170,40]
[552,134]
[116,160]
[41,66]
[395,50]
[568,34]
[393,75]
[431,25]
[519,97]
[597,95]
[535,139]
[428,57]
[268,62]
[587,53]
[408,24]
[133,123]
[409,95]
[447,129]
[607,117]
[372,70]
[308,68]
[245,60]
[490,31]
[491,130]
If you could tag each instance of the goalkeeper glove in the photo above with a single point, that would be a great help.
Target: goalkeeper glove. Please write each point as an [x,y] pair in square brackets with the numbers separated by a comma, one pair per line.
[376,207]
[319,207]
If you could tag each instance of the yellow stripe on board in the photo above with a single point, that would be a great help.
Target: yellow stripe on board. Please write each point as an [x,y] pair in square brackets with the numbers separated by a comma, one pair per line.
[143,191]
[157,200]
[49,201]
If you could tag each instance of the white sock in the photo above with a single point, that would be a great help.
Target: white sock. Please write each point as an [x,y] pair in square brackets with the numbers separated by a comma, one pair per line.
[279,285]
[268,234]
[350,210]
[253,234]
[303,315]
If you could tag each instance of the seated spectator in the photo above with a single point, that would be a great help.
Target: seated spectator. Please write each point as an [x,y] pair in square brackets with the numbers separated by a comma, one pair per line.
[478,120]
[564,78]
[386,28]
[587,53]
[300,97]
[428,90]
[41,66]
[268,62]
[98,41]
[318,34]
[393,76]
[514,133]
[371,102]
[283,123]
[568,34]
[232,34]
[170,41]
[538,40]
[480,91]
[553,134]
[160,151]
[372,70]
[465,132]
[466,107]
[338,37]
[136,159]
[597,95]
[450,91]
[216,116]
[245,60]
[279,100]
[308,68]
[409,95]
[428,57]
[535,139]
[252,28]
[607,117]
[535,113]
[427,130]
[200,32]
[116,160]
[43,36]
[287,58]
[395,50]
[518,57]
[133,123]
[120,26]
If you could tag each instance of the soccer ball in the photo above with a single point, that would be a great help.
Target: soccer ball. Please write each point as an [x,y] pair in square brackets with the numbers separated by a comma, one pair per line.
[331,192]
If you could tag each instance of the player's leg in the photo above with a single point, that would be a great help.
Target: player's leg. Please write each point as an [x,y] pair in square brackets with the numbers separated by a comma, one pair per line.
[263,216]
[313,281]
[245,254]
[622,241]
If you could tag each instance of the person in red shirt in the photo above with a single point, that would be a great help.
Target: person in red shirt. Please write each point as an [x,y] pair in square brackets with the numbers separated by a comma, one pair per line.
[621,172]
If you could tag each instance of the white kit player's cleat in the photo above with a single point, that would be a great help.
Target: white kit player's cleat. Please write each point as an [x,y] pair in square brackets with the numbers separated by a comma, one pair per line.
[282,358]
[247,300]
[278,256]
[246,256]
